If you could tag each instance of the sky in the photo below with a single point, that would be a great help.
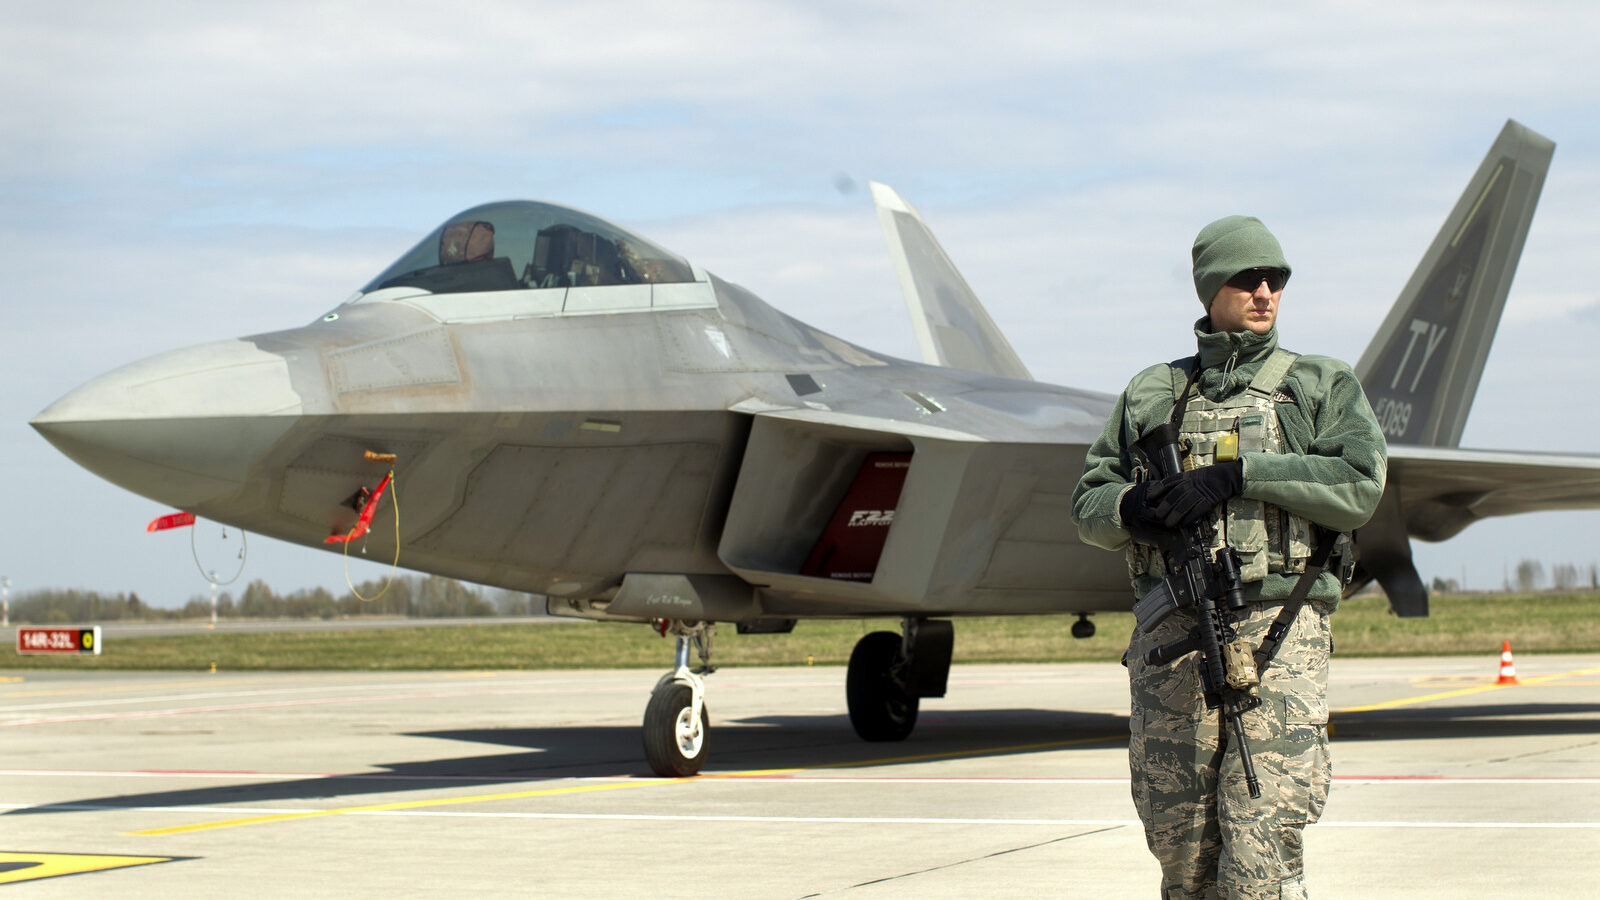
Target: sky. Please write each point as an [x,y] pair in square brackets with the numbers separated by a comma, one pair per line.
[173,173]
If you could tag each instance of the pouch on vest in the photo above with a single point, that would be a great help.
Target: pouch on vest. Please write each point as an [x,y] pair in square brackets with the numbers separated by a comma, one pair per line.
[1265,537]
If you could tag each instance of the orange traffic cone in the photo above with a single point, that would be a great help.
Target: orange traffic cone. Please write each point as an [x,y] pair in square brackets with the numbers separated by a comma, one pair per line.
[1508,669]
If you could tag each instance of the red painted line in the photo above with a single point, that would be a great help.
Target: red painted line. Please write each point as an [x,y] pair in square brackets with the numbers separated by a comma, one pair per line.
[324,701]
[194,710]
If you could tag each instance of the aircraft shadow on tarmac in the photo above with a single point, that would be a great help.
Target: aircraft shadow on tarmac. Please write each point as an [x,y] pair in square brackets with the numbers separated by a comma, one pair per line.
[757,743]
[777,742]
[1484,720]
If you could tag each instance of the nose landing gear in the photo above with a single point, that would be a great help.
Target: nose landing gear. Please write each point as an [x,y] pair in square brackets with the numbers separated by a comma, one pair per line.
[675,722]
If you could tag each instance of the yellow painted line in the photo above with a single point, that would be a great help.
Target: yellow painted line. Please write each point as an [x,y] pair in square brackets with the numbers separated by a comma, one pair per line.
[589,788]
[924,757]
[405,804]
[23,866]
[1462,692]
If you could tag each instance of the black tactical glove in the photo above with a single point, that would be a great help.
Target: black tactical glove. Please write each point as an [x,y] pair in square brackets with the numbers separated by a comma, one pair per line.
[1182,500]
[1138,510]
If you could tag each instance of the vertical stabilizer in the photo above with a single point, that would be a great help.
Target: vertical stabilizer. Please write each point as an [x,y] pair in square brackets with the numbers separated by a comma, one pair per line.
[1422,368]
[953,329]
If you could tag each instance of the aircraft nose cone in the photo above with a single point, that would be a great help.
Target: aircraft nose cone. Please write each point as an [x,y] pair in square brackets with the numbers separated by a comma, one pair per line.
[182,427]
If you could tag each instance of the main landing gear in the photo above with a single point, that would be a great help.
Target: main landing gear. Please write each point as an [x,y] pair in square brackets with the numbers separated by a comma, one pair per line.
[675,721]
[890,673]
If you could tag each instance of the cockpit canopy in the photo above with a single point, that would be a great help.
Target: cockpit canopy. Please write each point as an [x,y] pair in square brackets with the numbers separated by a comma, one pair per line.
[521,244]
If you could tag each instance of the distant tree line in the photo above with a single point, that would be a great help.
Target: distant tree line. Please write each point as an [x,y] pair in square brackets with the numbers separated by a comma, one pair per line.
[1529,577]
[417,596]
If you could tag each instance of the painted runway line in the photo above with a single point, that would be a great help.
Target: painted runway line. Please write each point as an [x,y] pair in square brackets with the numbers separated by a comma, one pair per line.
[1463,692]
[771,778]
[398,811]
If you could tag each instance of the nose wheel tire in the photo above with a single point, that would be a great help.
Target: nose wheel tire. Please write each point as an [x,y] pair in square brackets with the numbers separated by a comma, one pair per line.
[881,708]
[674,743]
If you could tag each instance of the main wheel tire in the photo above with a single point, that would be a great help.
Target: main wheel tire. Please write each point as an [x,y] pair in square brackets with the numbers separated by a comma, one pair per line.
[880,708]
[674,748]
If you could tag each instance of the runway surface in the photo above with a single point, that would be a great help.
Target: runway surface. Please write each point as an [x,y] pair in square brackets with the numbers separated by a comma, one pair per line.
[533,783]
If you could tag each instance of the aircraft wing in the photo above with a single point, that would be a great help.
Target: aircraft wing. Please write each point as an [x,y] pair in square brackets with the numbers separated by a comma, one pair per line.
[1443,490]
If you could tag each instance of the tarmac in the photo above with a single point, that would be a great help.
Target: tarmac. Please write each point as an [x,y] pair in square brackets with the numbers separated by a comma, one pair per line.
[500,784]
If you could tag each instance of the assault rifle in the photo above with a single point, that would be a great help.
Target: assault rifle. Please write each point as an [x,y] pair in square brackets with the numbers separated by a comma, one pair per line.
[1194,578]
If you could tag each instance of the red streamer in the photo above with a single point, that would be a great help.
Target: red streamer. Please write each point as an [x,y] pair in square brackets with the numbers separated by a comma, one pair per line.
[174,520]
[365,520]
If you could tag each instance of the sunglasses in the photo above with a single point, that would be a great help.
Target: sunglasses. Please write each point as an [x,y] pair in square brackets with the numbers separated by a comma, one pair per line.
[1250,279]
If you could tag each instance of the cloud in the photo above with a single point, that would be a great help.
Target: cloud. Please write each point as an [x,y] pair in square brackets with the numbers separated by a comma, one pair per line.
[178,172]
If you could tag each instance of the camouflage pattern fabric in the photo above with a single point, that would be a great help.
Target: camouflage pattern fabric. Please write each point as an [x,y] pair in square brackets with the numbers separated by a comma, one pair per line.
[1211,839]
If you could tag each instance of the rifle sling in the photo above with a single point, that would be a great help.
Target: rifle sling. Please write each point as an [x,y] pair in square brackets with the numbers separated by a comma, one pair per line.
[1291,607]
[1181,402]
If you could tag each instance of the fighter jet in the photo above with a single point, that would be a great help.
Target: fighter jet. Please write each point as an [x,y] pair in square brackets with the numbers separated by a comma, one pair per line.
[568,409]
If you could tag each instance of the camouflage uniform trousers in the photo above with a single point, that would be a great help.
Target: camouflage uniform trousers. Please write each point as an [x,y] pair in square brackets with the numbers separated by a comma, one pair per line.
[1211,839]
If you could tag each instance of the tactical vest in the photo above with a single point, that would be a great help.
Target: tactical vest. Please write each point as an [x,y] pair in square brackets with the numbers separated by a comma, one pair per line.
[1266,537]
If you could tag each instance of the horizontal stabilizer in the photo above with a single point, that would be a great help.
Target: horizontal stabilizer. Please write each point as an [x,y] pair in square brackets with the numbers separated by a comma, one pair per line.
[1446,489]
[953,329]
[1421,371]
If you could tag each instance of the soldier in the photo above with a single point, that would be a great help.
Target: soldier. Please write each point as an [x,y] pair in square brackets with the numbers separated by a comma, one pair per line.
[1283,456]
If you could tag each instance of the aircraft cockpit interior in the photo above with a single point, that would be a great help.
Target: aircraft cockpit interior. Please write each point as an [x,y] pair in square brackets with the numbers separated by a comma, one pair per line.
[521,245]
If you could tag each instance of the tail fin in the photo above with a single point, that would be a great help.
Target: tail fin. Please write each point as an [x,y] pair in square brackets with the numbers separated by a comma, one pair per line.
[953,329]
[1422,368]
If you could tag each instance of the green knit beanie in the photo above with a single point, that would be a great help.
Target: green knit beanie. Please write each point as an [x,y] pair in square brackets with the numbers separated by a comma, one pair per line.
[1227,247]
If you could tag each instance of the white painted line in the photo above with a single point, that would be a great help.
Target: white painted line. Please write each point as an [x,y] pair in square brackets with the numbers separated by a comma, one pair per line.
[1571,825]
[892,820]
[714,777]
[828,820]
[778,820]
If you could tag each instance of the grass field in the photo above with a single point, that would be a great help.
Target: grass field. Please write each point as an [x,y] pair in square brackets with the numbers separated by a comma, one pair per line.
[1460,625]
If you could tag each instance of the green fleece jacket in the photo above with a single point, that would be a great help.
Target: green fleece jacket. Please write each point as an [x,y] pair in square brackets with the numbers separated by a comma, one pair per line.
[1332,475]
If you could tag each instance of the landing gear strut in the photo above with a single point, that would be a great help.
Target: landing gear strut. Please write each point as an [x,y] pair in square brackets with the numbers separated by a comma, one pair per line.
[890,673]
[1083,628]
[675,721]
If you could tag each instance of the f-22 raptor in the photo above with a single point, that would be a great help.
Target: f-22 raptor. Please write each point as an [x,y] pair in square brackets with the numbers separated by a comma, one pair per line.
[574,411]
